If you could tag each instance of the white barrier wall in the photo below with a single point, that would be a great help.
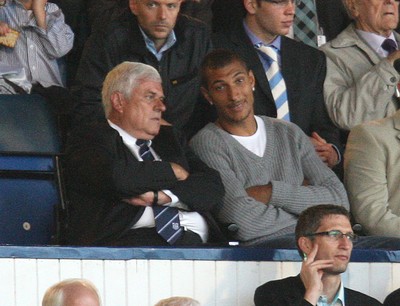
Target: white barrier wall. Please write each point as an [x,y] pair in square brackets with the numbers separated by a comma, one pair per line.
[143,282]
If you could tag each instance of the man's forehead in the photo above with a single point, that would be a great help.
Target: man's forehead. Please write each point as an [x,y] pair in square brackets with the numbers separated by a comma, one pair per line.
[231,70]
[335,222]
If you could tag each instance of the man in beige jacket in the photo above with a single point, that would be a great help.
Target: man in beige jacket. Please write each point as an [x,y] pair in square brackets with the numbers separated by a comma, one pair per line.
[372,175]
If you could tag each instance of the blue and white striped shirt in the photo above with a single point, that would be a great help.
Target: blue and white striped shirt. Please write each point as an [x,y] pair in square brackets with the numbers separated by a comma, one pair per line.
[36,50]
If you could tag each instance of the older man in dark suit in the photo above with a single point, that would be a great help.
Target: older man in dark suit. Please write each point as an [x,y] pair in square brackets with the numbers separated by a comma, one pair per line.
[302,68]
[128,174]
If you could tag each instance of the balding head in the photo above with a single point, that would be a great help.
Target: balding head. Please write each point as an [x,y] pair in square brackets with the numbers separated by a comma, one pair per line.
[72,292]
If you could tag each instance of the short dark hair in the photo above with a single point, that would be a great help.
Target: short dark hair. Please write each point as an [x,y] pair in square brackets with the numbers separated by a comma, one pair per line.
[216,59]
[311,218]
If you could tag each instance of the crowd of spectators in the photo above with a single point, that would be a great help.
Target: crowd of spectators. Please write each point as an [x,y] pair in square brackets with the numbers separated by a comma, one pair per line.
[214,74]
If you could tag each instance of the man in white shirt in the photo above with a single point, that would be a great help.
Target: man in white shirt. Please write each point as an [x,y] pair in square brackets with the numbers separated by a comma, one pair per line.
[122,172]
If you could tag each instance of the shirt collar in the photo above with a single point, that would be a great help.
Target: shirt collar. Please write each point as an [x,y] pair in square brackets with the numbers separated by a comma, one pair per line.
[338,297]
[128,139]
[257,42]
[374,40]
[170,41]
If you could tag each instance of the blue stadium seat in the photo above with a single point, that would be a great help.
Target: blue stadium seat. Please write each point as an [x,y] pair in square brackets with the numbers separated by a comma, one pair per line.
[29,174]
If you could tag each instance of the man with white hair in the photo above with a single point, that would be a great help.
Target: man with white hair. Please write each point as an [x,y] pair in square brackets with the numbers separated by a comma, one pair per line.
[133,181]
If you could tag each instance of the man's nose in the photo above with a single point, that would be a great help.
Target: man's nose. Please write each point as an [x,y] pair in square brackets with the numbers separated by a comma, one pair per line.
[234,93]
[160,105]
[162,12]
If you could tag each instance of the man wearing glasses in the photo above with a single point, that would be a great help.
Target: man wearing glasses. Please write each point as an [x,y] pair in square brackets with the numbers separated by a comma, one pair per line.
[324,240]
[301,68]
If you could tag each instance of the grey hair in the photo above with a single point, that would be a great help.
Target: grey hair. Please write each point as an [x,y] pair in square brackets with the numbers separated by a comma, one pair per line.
[124,78]
[54,295]
[178,301]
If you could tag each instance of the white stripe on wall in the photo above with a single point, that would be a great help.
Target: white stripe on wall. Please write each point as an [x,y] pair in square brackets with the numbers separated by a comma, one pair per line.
[144,282]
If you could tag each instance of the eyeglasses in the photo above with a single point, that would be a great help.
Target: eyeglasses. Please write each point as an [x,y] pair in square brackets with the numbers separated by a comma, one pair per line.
[335,235]
[283,3]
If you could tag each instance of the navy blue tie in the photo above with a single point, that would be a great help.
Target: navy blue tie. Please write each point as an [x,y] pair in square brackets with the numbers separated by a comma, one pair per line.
[389,45]
[166,218]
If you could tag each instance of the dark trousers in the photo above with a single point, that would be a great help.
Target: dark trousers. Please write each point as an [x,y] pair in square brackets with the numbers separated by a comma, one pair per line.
[149,237]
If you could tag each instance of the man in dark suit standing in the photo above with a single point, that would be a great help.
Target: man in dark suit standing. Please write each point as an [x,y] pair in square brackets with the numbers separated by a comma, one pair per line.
[303,69]
[325,240]
[124,172]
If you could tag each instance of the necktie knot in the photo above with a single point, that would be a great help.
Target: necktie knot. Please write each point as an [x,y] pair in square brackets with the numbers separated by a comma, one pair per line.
[144,149]
[389,45]
[141,142]
[270,51]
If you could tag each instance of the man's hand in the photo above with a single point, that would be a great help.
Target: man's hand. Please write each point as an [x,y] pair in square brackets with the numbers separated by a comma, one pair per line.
[180,173]
[164,122]
[311,275]
[324,150]
[394,56]
[261,193]
[4,29]
[38,8]
[147,198]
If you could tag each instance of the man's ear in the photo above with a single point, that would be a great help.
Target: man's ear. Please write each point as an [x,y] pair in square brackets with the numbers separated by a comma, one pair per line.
[117,101]
[250,6]
[305,245]
[206,95]
[252,79]
[351,8]
[133,6]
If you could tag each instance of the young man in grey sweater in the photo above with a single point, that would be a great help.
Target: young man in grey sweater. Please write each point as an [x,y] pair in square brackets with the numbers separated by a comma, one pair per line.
[269,167]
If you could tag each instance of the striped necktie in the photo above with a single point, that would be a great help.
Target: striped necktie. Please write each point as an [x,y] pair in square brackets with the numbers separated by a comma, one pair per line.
[166,218]
[276,82]
[305,27]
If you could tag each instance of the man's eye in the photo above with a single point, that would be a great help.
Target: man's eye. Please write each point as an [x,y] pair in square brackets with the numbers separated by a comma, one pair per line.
[219,88]
[335,233]
[172,6]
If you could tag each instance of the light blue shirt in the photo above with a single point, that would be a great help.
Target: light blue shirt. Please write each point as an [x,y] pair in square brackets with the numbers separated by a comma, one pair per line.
[171,40]
[257,42]
[337,301]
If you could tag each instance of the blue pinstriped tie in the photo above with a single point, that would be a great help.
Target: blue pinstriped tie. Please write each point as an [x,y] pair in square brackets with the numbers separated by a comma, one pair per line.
[166,218]
[276,82]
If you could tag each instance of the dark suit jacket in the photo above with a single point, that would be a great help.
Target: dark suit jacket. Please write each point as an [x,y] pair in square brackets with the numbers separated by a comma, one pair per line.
[101,171]
[332,17]
[290,291]
[303,69]
[393,299]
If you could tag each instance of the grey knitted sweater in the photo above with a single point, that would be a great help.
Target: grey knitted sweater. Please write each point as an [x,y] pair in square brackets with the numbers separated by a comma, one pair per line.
[289,158]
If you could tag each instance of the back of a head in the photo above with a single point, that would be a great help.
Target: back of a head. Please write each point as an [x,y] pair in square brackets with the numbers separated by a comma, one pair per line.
[72,292]
[310,219]
[178,301]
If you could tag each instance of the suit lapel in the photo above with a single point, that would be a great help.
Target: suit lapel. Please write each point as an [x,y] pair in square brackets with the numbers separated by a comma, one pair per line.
[291,63]
[167,147]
